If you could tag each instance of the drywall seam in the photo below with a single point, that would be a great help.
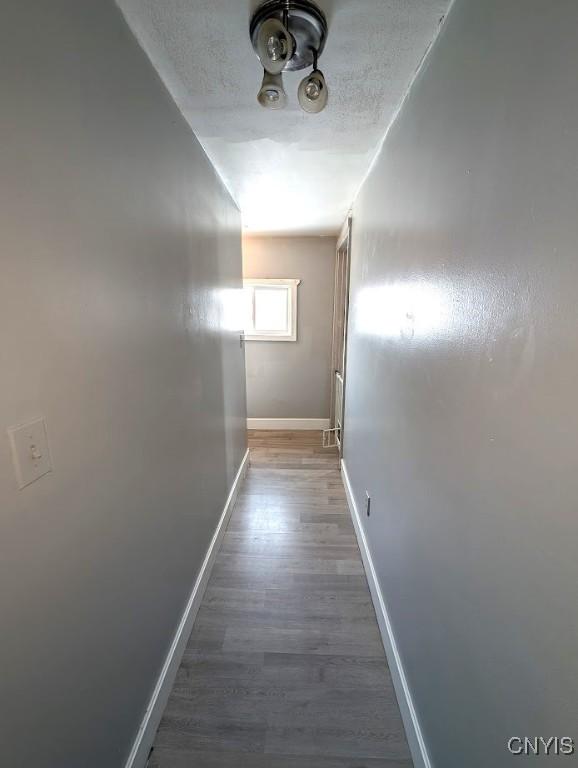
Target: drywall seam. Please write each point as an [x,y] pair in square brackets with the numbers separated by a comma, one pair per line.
[404,698]
[143,742]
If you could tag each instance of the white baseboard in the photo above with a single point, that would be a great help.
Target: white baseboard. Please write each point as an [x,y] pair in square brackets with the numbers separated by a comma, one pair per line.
[408,713]
[145,737]
[288,424]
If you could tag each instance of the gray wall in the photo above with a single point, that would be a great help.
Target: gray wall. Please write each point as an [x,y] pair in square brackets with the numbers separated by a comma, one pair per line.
[461,403]
[292,380]
[116,243]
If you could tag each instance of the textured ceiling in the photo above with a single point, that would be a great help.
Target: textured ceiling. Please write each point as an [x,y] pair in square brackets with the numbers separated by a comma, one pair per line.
[288,171]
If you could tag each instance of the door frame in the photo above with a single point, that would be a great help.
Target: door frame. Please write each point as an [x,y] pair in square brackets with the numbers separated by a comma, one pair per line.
[340,327]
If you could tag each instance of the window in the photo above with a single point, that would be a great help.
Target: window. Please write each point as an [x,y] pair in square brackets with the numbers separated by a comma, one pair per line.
[270,310]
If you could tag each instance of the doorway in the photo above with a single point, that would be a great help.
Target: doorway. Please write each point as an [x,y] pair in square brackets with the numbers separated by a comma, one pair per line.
[334,436]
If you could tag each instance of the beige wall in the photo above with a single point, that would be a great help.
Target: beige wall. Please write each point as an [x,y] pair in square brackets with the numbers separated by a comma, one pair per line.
[461,416]
[116,242]
[292,379]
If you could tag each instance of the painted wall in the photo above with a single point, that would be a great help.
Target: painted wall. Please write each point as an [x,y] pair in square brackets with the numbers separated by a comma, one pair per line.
[292,380]
[461,413]
[118,249]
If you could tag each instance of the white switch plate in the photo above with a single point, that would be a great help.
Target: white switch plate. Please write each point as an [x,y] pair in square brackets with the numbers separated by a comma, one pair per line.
[30,454]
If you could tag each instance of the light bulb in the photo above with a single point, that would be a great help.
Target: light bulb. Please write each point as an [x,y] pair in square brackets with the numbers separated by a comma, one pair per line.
[272,95]
[276,48]
[312,90]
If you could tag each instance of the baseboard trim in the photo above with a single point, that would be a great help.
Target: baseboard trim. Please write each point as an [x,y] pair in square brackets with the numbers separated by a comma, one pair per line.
[145,737]
[408,713]
[288,424]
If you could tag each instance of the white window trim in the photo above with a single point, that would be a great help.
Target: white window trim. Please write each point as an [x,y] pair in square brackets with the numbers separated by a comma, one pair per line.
[277,335]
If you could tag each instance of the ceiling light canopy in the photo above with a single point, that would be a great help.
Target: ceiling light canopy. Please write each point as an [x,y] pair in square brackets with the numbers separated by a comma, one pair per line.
[290,35]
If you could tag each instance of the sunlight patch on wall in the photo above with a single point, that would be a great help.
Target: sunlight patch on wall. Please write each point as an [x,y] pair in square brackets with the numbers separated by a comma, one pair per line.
[404,310]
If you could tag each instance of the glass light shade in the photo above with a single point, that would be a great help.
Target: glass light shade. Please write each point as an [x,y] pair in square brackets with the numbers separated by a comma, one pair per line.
[275,46]
[313,93]
[272,93]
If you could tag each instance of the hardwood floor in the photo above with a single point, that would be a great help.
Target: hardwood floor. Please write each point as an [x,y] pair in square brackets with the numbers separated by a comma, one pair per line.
[285,666]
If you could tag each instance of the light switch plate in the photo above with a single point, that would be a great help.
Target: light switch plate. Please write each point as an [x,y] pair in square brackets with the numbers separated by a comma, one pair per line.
[29,443]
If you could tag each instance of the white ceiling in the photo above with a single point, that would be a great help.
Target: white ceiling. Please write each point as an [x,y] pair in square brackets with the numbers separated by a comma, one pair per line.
[288,171]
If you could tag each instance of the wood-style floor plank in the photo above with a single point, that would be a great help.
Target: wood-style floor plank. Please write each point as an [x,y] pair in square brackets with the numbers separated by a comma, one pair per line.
[285,666]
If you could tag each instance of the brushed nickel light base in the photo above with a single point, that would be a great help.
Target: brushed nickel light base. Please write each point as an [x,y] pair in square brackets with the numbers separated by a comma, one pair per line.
[305,22]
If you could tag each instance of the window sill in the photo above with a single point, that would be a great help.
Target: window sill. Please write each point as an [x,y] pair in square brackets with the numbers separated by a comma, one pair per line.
[270,338]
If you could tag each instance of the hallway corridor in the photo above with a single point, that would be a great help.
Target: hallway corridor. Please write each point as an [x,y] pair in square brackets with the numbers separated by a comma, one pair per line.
[285,666]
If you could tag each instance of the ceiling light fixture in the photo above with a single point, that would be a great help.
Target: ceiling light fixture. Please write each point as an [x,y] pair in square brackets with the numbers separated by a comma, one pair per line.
[289,35]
